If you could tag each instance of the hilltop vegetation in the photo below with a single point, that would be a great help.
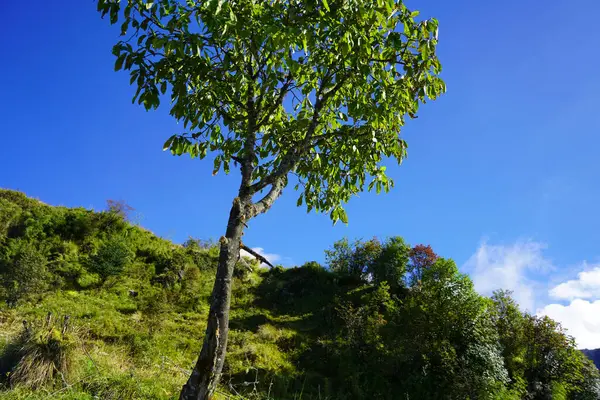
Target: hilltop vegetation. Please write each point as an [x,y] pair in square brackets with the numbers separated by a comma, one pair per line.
[114,312]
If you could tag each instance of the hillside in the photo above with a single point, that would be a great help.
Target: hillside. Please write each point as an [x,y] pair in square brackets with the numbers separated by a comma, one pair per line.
[95,307]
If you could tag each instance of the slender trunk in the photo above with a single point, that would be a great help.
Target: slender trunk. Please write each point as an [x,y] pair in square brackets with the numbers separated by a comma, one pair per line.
[206,374]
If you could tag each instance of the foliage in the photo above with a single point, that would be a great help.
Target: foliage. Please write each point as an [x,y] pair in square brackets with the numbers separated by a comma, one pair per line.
[359,328]
[111,259]
[23,269]
[310,87]
[391,262]
[421,258]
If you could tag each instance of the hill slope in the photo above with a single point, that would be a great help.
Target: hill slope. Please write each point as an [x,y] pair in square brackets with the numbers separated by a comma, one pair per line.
[114,312]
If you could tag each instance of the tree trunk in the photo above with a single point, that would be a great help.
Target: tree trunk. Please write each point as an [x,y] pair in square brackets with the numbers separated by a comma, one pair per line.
[205,376]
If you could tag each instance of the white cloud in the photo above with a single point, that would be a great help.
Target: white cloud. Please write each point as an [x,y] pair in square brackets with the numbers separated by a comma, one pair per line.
[522,268]
[508,267]
[272,257]
[581,318]
[586,286]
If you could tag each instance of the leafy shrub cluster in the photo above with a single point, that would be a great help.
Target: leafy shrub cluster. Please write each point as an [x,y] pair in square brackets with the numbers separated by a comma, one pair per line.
[384,320]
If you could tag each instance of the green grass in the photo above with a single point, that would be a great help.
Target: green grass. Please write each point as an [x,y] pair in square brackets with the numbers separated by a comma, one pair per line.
[127,349]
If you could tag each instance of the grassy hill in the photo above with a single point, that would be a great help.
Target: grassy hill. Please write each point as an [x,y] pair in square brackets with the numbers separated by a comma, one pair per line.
[136,303]
[94,307]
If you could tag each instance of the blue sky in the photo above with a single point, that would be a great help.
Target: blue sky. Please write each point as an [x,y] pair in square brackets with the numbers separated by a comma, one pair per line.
[502,174]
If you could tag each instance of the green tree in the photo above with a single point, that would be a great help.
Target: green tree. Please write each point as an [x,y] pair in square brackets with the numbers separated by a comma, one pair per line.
[548,358]
[510,326]
[390,264]
[446,340]
[317,89]
[354,260]
[586,379]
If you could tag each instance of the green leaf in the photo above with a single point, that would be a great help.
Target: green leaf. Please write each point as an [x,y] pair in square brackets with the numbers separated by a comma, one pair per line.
[119,62]
[326,5]
[169,142]
[216,165]
[219,5]
[124,27]
[335,215]
[343,216]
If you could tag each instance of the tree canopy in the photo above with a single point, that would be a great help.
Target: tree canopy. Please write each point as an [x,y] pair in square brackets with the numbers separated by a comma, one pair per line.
[317,88]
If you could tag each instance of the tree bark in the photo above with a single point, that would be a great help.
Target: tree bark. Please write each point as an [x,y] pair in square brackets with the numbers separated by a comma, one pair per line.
[205,376]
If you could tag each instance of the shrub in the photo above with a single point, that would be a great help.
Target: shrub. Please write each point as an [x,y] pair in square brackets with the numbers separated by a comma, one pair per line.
[9,215]
[87,280]
[112,257]
[24,271]
[66,262]
[78,225]
[191,288]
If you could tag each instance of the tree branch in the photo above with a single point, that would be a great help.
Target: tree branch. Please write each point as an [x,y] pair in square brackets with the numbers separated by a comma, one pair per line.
[266,202]
[293,156]
[282,92]
[258,256]
[247,163]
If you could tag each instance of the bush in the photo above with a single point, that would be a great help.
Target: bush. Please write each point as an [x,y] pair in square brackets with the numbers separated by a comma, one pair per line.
[78,225]
[191,288]
[23,269]
[66,262]
[87,280]
[9,215]
[112,257]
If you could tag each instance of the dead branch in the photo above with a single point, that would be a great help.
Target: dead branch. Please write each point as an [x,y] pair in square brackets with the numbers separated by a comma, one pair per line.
[259,257]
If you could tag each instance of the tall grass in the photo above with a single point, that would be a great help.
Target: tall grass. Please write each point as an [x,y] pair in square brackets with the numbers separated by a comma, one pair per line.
[42,355]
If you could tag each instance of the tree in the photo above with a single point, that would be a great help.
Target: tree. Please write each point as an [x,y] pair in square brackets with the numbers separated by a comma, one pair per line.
[314,89]
[510,325]
[421,258]
[390,265]
[446,343]
[548,354]
[353,260]
[120,208]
